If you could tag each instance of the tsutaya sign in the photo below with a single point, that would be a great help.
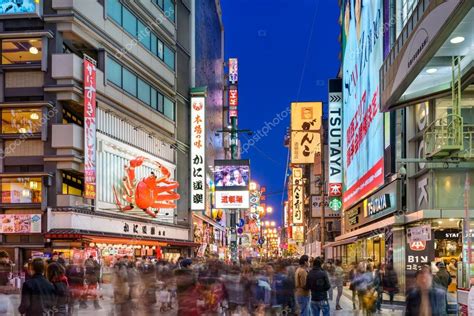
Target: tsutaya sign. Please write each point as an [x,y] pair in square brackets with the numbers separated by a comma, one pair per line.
[378,204]
[335,144]
[198,152]
[381,203]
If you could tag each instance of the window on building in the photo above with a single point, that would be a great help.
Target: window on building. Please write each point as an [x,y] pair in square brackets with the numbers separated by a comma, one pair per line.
[169,57]
[160,4]
[154,44]
[168,108]
[144,91]
[114,72]
[21,190]
[144,35]
[154,98]
[160,50]
[72,184]
[21,51]
[114,10]
[169,9]
[160,103]
[129,81]
[21,121]
[71,118]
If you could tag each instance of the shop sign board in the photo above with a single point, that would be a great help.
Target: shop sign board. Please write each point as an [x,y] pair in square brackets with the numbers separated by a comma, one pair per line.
[335,141]
[298,195]
[419,233]
[89,86]
[232,199]
[20,223]
[418,254]
[381,203]
[316,207]
[233,70]
[450,234]
[198,153]
[20,8]
[233,97]
[363,130]
[298,233]
[305,131]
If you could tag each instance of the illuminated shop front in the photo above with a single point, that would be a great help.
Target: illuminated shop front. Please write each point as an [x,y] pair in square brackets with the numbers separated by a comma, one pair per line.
[209,233]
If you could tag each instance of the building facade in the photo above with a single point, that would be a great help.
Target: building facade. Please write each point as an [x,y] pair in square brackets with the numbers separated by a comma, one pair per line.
[142,52]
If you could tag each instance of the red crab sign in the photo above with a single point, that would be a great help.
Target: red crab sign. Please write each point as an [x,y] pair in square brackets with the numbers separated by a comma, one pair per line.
[150,193]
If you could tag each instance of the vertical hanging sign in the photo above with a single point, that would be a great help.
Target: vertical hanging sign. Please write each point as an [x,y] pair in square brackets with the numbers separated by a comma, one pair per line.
[89,65]
[233,90]
[335,144]
[297,198]
[198,153]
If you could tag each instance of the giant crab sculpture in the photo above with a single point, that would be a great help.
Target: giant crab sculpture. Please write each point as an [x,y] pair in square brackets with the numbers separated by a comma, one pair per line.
[149,193]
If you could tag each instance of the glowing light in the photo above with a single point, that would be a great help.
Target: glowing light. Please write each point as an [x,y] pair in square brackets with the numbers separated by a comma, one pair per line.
[457,40]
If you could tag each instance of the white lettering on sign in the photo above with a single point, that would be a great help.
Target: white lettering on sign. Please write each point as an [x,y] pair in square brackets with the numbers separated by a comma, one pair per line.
[378,204]
[422,191]
[335,137]
[417,259]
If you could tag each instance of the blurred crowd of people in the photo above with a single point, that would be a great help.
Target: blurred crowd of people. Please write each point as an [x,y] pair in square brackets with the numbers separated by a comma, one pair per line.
[146,286]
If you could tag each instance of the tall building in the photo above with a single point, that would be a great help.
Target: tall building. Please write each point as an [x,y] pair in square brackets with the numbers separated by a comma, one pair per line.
[407,136]
[142,52]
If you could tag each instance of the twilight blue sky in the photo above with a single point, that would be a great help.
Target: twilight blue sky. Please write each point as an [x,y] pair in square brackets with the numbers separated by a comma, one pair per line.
[275,41]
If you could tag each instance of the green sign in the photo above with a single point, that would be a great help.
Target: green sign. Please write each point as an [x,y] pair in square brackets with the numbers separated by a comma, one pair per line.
[335,204]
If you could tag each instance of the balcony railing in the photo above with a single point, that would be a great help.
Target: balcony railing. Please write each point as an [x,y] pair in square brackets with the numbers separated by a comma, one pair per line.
[444,137]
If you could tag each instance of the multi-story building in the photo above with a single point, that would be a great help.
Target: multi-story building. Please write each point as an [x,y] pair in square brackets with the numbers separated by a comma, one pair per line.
[407,171]
[142,50]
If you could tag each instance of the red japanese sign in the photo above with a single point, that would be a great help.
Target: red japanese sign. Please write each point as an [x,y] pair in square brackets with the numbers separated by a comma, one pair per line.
[233,97]
[89,127]
[335,189]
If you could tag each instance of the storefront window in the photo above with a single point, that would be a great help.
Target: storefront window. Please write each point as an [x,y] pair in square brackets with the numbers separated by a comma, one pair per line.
[21,51]
[444,106]
[72,184]
[21,190]
[21,121]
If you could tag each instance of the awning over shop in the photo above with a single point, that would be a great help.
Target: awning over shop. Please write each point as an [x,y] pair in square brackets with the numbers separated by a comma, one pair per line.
[377,228]
[99,237]
[340,242]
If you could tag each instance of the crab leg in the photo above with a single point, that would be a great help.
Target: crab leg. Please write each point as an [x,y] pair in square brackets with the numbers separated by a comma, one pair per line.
[119,204]
[166,197]
[149,212]
[164,205]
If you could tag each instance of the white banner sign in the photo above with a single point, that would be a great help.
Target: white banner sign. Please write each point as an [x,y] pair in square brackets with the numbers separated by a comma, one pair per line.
[420,233]
[232,199]
[335,138]
[297,196]
[198,153]
[233,70]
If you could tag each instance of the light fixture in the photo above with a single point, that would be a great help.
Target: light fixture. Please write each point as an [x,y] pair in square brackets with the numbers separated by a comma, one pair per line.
[33,50]
[22,130]
[451,219]
[431,70]
[253,186]
[457,40]
[269,210]
[34,116]
[440,222]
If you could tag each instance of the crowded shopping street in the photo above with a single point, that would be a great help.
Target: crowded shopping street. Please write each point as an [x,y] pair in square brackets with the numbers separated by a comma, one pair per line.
[237,157]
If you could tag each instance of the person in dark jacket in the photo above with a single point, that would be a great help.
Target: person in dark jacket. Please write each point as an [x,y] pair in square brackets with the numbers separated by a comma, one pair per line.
[442,279]
[37,294]
[390,282]
[56,275]
[75,276]
[318,282]
[425,299]
[5,268]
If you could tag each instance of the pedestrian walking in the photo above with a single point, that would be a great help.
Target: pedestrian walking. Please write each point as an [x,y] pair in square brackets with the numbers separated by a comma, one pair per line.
[6,307]
[442,279]
[56,274]
[378,287]
[390,282]
[338,282]
[302,294]
[329,268]
[37,294]
[186,289]
[92,268]
[425,299]
[75,276]
[352,286]
[318,283]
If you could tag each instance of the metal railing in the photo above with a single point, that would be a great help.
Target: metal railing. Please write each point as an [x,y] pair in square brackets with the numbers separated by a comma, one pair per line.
[444,136]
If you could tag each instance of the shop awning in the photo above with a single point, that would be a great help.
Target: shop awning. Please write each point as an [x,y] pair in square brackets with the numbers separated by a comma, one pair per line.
[376,228]
[340,242]
[98,237]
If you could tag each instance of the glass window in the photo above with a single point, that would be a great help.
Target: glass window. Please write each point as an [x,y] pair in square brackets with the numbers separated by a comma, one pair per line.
[72,185]
[21,51]
[114,10]
[154,99]
[21,190]
[154,44]
[169,57]
[160,102]
[143,91]
[160,50]
[168,108]
[129,82]
[159,3]
[169,9]
[21,121]
[114,72]
[144,35]
[129,22]
[71,118]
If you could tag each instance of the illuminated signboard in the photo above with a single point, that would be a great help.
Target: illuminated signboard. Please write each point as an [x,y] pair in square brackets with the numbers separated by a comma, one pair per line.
[233,70]
[231,174]
[232,199]
[335,138]
[20,223]
[198,153]
[362,123]
[233,97]
[298,195]
[89,127]
[305,131]
[19,8]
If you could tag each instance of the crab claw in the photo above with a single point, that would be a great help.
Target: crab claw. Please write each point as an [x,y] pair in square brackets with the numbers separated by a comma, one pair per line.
[137,162]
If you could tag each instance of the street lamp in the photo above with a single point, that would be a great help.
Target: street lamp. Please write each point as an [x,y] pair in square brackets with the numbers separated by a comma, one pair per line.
[273,223]
[253,186]
[269,210]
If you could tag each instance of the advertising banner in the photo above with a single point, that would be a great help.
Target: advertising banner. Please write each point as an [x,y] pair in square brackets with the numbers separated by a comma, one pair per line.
[419,233]
[20,223]
[298,233]
[335,136]
[20,7]
[89,127]
[198,153]
[233,97]
[306,116]
[298,196]
[304,147]
[418,254]
[233,70]
[232,199]
[362,123]
[231,174]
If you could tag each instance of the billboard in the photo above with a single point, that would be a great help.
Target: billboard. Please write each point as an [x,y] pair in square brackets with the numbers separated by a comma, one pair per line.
[198,153]
[335,134]
[297,196]
[362,123]
[306,116]
[305,131]
[233,97]
[19,7]
[231,174]
[20,223]
[89,66]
